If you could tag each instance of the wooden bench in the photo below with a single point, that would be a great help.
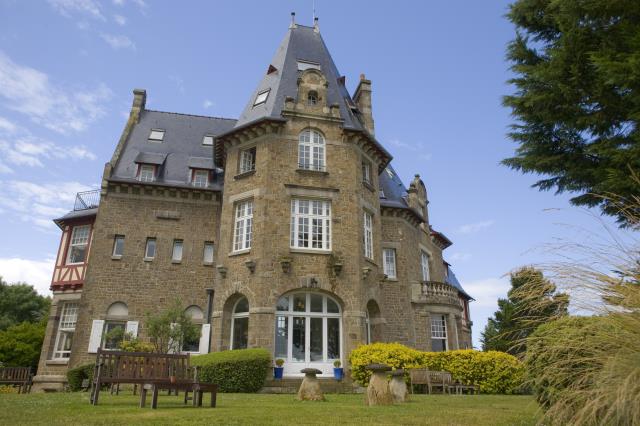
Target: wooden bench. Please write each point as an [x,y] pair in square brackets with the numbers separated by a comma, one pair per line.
[432,379]
[157,371]
[17,376]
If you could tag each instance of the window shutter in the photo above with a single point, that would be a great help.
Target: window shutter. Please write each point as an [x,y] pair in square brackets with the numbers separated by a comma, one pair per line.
[132,328]
[204,338]
[171,343]
[96,336]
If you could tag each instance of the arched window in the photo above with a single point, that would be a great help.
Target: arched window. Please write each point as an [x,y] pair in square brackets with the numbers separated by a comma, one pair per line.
[195,313]
[312,98]
[240,324]
[311,152]
[115,325]
[308,331]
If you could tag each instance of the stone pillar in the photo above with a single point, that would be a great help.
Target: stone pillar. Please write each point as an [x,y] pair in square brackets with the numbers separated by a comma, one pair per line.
[398,386]
[378,392]
[261,327]
[310,387]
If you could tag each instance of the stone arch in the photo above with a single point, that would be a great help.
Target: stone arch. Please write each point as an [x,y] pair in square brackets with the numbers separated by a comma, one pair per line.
[312,80]
[118,310]
[374,322]
[229,315]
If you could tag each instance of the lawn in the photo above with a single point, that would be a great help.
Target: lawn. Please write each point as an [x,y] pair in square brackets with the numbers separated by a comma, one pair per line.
[259,409]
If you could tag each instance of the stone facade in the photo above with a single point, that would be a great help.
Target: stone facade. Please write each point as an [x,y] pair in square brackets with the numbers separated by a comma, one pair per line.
[372,306]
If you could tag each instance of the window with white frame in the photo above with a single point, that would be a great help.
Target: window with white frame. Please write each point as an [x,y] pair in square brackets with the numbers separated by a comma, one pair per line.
[66,328]
[240,324]
[247,160]
[368,235]
[261,97]
[176,254]
[311,152]
[207,140]
[150,249]
[192,343]
[243,227]
[78,244]
[312,98]
[118,245]
[438,333]
[200,178]
[389,258]
[424,263]
[207,256]
[156,135]
[311,224]
[366,171]
[146,172]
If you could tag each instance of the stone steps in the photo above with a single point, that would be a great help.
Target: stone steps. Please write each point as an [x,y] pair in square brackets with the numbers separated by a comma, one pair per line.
[290,385]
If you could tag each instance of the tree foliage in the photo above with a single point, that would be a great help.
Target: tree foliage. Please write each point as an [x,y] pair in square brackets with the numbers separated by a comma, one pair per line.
[19,303]
[531,301]
[20,344]
[169,329]
[577,97]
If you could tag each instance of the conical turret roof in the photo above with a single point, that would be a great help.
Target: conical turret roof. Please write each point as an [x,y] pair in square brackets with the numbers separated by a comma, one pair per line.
[300,44]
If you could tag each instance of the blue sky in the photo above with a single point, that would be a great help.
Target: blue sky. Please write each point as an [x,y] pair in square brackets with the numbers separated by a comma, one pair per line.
[67,69]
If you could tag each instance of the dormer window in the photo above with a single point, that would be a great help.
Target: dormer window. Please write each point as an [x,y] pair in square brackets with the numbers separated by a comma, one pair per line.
[312,98]
[156,135]
[262,97]
[200,178]
[207,140]
[146,172]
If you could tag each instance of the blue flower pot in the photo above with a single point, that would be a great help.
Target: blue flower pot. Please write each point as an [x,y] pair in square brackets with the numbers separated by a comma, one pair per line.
[277,372]
[338,373]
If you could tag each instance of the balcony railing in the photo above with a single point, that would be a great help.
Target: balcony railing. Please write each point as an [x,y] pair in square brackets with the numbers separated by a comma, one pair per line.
[87,200]
[435,292]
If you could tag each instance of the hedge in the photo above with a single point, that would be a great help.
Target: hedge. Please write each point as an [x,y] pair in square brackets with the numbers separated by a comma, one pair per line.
[76,375]
[240,370]
[494,372]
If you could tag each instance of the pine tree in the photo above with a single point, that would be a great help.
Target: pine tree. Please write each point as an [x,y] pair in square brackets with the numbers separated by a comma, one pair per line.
[577,97]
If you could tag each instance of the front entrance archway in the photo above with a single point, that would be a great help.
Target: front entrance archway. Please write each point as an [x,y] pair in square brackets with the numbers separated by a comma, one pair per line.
[308,332]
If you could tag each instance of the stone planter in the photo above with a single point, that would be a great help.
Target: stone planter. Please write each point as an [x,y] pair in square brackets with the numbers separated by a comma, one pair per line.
[398,386]
[310,387]
[378,392]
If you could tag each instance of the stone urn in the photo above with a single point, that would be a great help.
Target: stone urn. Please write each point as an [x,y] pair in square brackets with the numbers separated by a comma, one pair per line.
[378,392]
[398,386]
[310,387]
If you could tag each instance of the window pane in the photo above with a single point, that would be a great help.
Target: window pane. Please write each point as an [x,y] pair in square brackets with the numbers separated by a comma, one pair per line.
[113,334]
[316,303]
[438,345]
[177,251]
[242,306]
[208,253]
[282,336]
[299,302]
[315,339]
[298,349]
[240,332]
[193,345]
[118,245]
[333,338]
[207,140]
[332,307]
[156,135]
[150,251]
[283,304]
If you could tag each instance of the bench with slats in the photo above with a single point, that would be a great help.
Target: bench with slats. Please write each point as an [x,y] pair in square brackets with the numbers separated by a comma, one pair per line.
[22,377]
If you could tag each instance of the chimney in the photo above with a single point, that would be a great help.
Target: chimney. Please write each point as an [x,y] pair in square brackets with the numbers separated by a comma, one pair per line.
[362,98]
[139,103]
[316,27]
[293,20]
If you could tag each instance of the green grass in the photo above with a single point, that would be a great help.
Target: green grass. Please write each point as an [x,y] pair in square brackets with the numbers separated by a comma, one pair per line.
[257,409]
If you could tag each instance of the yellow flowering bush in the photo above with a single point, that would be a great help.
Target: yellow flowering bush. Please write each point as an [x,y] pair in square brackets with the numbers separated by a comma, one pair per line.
[494,372]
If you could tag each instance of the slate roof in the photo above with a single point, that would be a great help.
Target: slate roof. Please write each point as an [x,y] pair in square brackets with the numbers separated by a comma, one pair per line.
[75,214]
[306,44]
[452,280]
[393,188]
[180,149]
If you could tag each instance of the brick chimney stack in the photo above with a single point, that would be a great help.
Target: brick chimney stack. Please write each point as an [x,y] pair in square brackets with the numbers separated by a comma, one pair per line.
[362,98]
[139,102]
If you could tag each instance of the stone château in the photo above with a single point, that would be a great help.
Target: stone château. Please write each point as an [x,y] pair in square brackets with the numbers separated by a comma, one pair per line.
[286,228]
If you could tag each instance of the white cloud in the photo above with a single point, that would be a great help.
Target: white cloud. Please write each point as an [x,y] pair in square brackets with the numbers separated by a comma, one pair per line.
[471,228]
[179,82]
[460,257]
[35,272]
[29,91]
[207,104]
[39,203]
[486,293]
[120,20]
[85,7]
[118,41]
[7,126]
[140,3]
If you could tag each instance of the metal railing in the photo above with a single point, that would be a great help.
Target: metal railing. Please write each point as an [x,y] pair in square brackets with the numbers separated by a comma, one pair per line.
[87,200]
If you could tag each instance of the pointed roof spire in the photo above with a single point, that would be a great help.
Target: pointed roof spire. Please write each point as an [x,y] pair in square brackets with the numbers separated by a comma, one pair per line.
[304,44]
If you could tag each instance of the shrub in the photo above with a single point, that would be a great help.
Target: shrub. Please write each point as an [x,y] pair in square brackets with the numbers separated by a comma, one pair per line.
[76,375]
[4,389]
[20,344]
[493,372]
[136,345]
[240,370]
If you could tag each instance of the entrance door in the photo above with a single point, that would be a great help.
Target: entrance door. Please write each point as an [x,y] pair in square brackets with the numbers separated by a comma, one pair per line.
[308,332]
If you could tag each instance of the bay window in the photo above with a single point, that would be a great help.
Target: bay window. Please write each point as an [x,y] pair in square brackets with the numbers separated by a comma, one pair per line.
[66,328]
[311,224]
[78,244]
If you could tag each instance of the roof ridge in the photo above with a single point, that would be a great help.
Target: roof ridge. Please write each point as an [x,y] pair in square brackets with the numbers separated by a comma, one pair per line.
[192,115]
